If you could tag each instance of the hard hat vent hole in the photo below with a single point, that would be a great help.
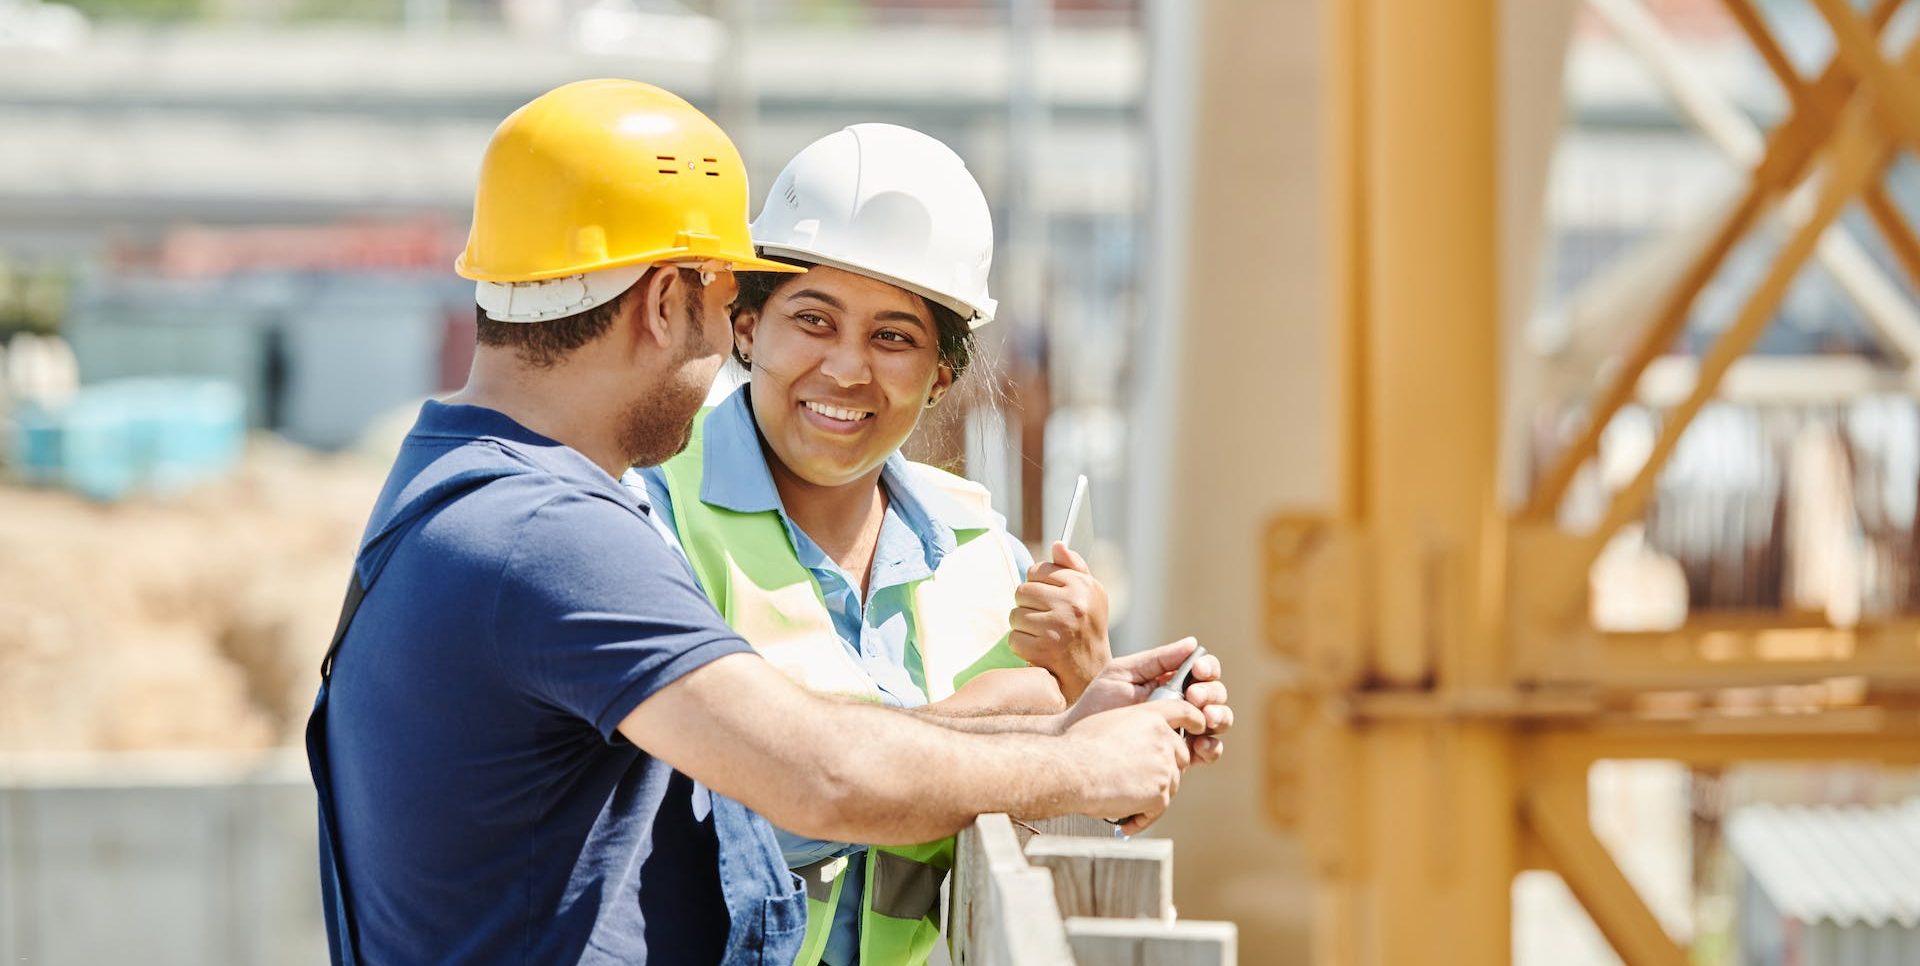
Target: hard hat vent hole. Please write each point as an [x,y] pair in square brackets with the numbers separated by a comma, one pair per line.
[663,157]
[711,160]
[713,174]
[792,196]
[668,171]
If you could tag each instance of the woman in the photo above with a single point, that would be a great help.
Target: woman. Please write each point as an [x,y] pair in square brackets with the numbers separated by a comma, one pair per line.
[850,568]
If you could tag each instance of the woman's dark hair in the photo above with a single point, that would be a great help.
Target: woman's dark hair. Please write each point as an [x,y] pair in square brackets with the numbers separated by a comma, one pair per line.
[956,336]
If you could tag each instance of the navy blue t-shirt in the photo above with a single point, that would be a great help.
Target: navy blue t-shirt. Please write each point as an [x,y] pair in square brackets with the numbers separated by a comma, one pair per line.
[519,606]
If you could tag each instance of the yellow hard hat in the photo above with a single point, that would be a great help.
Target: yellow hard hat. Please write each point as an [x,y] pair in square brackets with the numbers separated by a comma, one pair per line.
[607,174]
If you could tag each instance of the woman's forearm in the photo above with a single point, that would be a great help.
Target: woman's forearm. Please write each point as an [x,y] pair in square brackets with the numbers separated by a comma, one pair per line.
[1004,691]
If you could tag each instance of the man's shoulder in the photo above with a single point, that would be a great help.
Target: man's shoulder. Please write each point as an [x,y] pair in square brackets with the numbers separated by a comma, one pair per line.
[477,501]
[586,535]
[492,471]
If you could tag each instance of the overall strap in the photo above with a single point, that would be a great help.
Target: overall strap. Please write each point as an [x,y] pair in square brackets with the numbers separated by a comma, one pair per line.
[356,592]
[340,932]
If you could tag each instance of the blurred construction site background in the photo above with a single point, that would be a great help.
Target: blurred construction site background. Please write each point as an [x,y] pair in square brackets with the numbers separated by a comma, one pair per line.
[1518,394]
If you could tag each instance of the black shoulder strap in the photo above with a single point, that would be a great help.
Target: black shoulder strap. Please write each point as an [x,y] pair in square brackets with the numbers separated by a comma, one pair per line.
[356,592]
[341,934]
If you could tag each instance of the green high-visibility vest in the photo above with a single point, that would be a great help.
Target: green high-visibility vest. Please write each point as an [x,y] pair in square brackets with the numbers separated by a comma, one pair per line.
[751,572]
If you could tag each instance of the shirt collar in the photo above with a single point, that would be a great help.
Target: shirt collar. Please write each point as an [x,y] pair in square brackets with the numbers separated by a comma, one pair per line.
[463,422]
[737,478]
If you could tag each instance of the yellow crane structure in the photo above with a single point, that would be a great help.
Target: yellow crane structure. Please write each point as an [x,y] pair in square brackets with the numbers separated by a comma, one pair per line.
[1346,524]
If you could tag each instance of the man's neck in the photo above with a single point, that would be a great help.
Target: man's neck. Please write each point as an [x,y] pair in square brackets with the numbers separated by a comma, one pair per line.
[552,402]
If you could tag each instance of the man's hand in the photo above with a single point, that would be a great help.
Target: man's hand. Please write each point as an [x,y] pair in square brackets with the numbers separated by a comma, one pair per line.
[1059,621]
[1133,759]
[1128,680]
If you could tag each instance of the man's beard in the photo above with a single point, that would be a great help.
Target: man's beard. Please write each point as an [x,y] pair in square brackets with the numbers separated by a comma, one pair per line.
[658,425]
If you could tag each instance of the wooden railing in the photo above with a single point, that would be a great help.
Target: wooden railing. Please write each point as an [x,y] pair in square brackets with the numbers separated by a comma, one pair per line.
[1067,891]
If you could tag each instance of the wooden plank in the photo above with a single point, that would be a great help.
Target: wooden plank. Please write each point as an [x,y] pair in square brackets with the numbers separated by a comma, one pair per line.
[1003,911]
[1077,825]
[1108,877]
[1143,942]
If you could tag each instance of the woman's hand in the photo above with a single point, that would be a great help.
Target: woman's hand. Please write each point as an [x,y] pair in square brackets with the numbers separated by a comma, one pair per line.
[1130,680]
[1059,621]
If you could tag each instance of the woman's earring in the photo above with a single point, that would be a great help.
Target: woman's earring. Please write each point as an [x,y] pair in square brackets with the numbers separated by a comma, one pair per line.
[933,401]
[740,357]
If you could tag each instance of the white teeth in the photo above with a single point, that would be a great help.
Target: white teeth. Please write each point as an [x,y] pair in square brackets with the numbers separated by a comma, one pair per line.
[835,412]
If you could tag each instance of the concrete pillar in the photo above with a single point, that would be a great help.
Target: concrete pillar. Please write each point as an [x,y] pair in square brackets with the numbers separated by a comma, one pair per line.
[1235,416]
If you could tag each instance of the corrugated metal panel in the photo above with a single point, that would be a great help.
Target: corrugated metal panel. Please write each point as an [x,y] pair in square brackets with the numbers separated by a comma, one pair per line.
[1844,865]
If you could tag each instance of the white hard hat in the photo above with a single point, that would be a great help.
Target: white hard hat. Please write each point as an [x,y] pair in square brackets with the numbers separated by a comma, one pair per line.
[890,203]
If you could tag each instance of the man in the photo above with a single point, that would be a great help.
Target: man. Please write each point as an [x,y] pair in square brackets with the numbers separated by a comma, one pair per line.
[529,696]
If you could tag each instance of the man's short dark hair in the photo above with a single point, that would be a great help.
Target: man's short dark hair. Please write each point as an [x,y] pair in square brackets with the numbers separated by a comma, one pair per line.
[544,344]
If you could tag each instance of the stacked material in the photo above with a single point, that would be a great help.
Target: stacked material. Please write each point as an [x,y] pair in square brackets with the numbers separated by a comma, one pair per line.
[114,439]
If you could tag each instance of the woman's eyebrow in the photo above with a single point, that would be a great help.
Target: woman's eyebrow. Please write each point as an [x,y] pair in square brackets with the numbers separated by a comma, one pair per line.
[886,315]
[819,296]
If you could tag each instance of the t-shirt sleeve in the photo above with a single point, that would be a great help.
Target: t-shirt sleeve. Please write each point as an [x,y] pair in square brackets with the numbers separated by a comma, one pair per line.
[596,612]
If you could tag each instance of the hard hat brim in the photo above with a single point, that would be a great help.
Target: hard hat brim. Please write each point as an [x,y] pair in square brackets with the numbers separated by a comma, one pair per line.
[764,265]
[975,315]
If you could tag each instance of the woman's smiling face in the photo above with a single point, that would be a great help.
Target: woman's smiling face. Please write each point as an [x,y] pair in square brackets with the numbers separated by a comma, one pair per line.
[842,367]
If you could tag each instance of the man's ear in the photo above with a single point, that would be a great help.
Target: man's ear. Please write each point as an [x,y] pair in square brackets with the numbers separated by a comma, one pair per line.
[651,302]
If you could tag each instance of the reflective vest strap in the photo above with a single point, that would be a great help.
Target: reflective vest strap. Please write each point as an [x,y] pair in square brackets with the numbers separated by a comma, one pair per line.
[824,880]
[900,921]
[903,888]
[747,566]
[960,613]
[683,474]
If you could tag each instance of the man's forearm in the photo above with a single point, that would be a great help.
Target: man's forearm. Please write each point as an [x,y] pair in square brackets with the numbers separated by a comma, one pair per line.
[919,777]
[848,771]
[985,721]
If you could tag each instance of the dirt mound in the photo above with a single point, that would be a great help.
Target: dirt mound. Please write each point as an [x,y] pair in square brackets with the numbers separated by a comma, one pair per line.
[195,622]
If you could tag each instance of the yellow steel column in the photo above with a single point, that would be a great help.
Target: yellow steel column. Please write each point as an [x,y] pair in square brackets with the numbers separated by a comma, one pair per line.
[1436,794]
[1431,322]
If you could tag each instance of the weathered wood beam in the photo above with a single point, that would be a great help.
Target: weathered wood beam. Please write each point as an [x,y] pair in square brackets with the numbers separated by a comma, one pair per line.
[1113,878]
[1141,942]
